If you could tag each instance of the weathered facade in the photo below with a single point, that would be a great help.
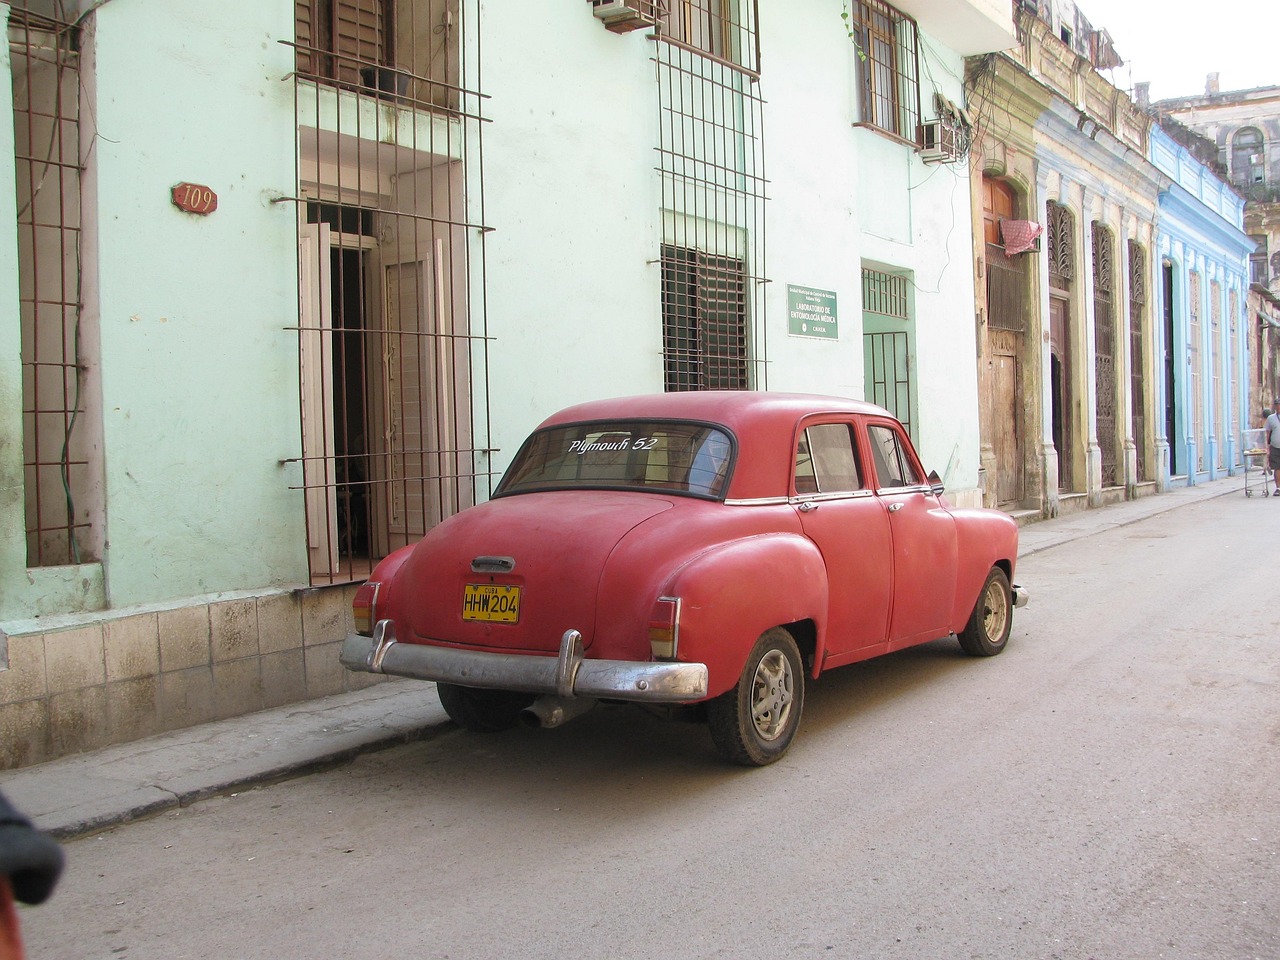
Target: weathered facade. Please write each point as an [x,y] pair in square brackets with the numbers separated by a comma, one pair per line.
[1242,128]
[300,294]
[1067,208]
[1066,423]
[1264,370]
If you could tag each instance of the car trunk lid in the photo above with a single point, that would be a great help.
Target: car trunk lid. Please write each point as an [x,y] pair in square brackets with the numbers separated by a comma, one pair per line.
[517,572]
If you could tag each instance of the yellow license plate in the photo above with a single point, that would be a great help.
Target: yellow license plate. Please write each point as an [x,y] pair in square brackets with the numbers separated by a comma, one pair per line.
[490,603]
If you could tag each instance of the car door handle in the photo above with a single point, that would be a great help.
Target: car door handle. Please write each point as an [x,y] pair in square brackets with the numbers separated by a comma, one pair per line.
[895,507]
[807,507]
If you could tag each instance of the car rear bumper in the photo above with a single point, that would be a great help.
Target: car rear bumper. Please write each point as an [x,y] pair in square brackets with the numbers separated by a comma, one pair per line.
[568,675]
[1020,595]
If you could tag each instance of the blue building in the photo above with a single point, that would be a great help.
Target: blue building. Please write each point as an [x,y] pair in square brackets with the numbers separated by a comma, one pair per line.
[1201,329]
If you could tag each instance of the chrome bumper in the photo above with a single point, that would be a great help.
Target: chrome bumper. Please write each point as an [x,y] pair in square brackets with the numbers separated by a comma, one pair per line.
[568,675]
[1020,595]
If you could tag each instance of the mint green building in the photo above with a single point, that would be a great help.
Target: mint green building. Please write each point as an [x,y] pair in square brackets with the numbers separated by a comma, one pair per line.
[290,281]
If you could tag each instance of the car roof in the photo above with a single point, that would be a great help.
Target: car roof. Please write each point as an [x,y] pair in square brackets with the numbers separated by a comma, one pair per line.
[729,407]
[763,422]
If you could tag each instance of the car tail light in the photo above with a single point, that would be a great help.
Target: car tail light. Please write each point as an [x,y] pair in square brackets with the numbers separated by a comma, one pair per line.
[362,606]
[664,628]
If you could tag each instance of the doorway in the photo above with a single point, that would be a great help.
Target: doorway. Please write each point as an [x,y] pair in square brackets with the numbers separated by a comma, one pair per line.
[1060,392]
[1170,369]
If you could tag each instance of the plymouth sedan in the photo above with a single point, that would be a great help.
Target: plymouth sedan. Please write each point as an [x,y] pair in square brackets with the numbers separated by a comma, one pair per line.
[703,554]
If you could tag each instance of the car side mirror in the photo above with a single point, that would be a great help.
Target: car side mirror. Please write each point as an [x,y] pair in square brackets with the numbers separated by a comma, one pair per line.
[935,484]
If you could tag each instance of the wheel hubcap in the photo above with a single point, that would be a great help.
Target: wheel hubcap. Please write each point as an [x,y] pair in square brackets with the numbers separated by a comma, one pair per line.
[995,612]
[773,691]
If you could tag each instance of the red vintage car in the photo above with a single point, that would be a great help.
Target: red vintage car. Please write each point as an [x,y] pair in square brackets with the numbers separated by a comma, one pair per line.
[692,552]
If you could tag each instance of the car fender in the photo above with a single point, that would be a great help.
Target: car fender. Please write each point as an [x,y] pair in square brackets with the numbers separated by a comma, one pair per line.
[984,540]
[384,574]
[734,592]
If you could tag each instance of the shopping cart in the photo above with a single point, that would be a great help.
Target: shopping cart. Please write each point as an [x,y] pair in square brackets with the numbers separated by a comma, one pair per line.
[1257,477]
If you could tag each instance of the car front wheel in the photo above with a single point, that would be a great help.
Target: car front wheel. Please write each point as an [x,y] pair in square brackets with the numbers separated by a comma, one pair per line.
[482,711]
[754,723]
[987,631]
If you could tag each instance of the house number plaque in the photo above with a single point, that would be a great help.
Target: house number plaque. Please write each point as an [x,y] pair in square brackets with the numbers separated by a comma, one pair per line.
[195,198]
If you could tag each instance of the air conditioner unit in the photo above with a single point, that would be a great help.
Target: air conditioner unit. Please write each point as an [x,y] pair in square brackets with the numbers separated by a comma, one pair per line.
[939,141]
[621,16]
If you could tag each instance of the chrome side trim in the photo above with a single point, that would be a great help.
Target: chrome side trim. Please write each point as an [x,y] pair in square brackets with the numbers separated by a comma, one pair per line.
[809,498]
[568,675]
[914,488]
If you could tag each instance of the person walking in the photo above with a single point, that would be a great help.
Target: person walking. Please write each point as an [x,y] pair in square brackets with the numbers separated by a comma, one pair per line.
[1273,442]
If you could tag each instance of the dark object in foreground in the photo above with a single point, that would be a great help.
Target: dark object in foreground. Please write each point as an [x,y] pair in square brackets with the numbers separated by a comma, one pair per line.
[30,864]
[32,861]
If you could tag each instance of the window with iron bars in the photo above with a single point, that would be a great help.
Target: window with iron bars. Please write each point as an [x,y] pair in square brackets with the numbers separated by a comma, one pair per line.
[704,321]
[724,29]
[888,67]
[404,50]
[62,496]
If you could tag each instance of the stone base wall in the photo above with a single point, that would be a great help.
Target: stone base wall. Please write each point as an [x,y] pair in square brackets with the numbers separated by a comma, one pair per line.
[74,684]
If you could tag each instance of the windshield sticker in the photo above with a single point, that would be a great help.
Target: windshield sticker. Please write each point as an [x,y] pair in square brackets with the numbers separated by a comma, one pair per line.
[612,443]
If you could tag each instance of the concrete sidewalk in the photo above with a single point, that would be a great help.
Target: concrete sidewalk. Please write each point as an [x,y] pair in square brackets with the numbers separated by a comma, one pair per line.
[94,790]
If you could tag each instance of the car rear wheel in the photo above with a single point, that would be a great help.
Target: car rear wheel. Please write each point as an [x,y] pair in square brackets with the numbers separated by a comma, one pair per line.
[482,711]
[754,723]
[987,631]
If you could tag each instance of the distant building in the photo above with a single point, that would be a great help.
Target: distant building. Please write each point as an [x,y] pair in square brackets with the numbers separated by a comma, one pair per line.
[1112,356]
[1243,129]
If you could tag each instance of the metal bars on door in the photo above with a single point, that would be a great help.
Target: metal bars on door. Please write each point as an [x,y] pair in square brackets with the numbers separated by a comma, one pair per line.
[392,330]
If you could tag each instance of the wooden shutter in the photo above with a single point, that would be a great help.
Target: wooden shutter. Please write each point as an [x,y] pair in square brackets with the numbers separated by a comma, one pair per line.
[354,30]
[304,34]
[358,32]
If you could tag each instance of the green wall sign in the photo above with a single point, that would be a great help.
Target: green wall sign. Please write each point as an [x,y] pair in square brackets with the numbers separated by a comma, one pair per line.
[811,313]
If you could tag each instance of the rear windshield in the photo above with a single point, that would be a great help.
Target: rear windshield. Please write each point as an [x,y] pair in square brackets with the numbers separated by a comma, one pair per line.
[674,456]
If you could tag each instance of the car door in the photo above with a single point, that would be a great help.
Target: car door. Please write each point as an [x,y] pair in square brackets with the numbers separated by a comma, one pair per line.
[840,513]
[923,538]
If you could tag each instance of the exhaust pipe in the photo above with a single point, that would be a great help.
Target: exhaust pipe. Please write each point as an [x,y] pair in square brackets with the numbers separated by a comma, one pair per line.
[548,712]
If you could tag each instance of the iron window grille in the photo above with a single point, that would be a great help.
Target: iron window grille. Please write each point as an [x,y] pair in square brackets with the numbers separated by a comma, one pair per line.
[59,461]
[400,50]
[887,353]
[392,341]
[888,67]
[722,29]
[711,169]
[704,321]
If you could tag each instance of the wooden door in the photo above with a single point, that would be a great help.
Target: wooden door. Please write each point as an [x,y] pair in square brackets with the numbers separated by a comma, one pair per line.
[1006,419]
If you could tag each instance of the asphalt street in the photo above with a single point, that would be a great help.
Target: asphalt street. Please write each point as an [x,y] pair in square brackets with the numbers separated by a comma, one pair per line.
[90,791]
[1103,790]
